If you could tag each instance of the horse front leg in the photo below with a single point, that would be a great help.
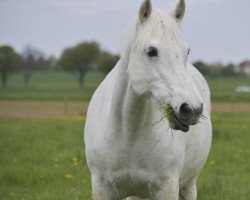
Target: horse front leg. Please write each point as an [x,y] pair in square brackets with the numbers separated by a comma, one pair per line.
[101,191]
[189,191]
[169,191]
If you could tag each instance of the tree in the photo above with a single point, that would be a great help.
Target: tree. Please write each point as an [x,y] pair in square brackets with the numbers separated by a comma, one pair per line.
[228,71]
[202,67]
[8,58]
[79,59]
[32,59]
[106,62]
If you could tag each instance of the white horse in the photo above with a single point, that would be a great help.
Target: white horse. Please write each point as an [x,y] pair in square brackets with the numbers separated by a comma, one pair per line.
[129,155]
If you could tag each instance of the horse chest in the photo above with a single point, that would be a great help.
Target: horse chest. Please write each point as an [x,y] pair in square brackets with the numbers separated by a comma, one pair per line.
[158,154]
[154,154]
[141,166]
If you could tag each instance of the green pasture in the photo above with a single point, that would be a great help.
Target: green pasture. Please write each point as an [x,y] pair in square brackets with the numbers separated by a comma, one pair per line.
[51,85]
[43,159]
[58,85]
[223,89]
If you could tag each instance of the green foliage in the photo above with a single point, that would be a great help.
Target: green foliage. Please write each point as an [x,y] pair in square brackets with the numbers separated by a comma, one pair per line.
[44,159]
[8,59]
[202,67]
[32,60]
[107,61]
[79,59]
[228,71]
[218,70]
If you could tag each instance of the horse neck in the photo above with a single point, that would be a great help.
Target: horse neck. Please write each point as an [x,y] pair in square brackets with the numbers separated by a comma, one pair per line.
[131,112]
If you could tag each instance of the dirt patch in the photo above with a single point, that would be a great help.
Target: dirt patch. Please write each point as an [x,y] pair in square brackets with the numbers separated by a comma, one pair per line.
[39,109]
[231,107]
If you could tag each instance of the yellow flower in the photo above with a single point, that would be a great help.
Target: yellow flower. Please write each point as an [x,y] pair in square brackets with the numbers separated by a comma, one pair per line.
[75,159]
[211,163]
[68,176]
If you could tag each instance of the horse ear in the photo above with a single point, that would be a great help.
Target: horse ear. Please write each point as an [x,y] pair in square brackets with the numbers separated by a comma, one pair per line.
[179,11]
[145,10]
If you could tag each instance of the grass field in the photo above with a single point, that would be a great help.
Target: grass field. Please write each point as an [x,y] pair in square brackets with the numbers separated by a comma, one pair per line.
[42,151]
[43,159]
[57,85]
[51,85]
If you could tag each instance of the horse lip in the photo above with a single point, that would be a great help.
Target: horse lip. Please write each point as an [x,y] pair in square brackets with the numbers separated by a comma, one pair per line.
[187,122]
[176,124]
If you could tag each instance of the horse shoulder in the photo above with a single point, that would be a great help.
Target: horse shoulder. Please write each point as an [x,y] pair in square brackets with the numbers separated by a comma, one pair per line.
[99,108]
[103,94]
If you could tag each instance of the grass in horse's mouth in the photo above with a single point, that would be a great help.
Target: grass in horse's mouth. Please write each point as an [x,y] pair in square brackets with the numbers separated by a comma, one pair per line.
[167,112]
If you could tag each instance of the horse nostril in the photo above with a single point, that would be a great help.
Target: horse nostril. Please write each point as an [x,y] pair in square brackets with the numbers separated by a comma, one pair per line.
[189,115]
[185,110]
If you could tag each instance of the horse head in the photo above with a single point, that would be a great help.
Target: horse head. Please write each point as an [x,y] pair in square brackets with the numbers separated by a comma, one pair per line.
[158,65]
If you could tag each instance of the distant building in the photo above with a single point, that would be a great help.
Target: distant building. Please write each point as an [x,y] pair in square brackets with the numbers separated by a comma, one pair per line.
[244,67]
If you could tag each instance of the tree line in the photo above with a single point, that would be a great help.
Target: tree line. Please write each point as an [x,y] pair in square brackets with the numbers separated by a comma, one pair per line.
[218,70]
[78,60]
[84,57]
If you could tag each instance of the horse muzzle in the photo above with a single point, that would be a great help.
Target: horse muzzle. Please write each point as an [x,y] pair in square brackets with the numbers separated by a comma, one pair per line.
[185,117]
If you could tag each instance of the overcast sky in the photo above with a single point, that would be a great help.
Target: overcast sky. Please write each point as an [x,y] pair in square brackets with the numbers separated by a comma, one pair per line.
[217,30]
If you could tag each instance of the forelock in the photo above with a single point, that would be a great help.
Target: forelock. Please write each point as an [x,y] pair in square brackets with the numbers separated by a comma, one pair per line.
[157,20]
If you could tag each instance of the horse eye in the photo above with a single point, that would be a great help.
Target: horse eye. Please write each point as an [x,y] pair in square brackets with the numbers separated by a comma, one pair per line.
[189,51]
[152,52]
